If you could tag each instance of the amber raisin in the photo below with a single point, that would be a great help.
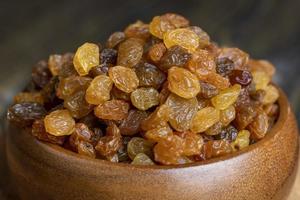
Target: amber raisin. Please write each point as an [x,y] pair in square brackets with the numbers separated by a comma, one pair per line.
[202,64]
[131,124]
[40,74]
[114,39]
[175,56]
[192,143]
[119,94]
[181,111]
[130,52]
[183,83]
[169,152]
[86,57]
[35,97]
[81,133]
[159,133]
[112,110]
[38,130]
[86,149]
[99,90]
[204,39]
[245,114]
[124,78]
[138,30]
[156,52]
[77,105]
[23,114]
[217,148]
[164,93]
[161,24]
[56,62]
[156,119]
[259,127]
[70,85]
[59,123]
[111,143]
[149,75]
[144,98]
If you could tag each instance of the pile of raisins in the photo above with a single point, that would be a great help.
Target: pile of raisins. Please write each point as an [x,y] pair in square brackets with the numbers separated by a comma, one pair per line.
[155,94]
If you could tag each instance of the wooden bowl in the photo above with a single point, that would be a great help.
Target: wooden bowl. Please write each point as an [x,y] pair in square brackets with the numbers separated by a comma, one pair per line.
[265,170]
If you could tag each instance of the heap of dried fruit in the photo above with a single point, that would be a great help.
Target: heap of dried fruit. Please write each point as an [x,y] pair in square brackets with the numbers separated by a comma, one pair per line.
[156,94]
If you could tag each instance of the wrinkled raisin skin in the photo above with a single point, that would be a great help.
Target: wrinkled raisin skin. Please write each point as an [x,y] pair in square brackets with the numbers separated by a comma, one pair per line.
[23,114]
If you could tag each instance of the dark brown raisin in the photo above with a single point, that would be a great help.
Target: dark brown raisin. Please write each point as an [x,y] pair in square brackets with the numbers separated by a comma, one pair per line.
[224,66]
[175,56]
[108,56]
[241,77]
[41,74]
[149,75]
[229,133]
[131,124]
[207,90]
[23,114]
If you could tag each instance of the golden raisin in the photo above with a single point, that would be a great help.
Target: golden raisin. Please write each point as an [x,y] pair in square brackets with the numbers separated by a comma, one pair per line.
[86,57]
[99,90]
[124,78]
[182,37]
[261,79]
[144,98]
[271,96]
[59,123]
[161,24]
[204,119]
[226,97]
[183,83]
[181,111]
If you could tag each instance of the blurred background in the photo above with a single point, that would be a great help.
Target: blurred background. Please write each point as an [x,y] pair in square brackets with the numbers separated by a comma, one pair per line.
[31,30]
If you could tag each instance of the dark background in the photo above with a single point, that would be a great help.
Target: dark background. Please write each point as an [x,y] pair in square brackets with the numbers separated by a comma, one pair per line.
[31,30]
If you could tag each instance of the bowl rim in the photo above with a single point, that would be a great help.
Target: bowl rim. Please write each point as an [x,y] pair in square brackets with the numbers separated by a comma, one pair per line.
[63,153]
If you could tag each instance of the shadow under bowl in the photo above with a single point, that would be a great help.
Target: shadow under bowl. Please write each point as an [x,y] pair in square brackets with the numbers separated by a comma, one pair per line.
[265,170]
